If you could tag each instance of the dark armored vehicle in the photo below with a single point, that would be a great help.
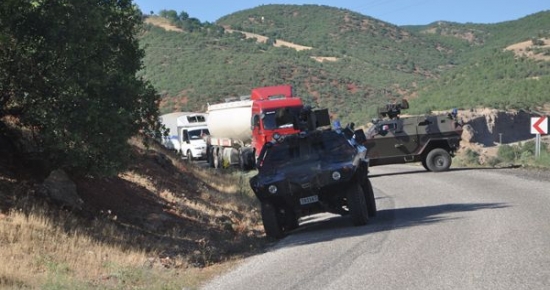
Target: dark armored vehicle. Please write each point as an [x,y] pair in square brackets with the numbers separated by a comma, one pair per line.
[430,139]
[308,173]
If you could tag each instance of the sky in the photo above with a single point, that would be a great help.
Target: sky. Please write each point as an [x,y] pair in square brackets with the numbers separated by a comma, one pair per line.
[398,12]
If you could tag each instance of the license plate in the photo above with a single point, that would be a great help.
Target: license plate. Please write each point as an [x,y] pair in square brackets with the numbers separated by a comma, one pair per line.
[309,199]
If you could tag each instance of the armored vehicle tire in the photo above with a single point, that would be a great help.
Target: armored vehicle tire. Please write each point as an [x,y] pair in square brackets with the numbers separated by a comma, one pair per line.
[369,197]
[425,165]
[438,160]
[357,205]
[291,221]
[272,226]
[189,156]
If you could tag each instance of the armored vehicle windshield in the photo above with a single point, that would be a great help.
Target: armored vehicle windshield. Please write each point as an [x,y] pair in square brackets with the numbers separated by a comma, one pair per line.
[295,150]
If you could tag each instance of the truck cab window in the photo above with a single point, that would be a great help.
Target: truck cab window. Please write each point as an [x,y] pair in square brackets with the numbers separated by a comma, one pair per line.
[197,134]
[280,118]
[269,120]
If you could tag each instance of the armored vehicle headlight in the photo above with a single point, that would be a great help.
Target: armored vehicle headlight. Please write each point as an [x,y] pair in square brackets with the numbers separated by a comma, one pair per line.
[336,175]
[272,189]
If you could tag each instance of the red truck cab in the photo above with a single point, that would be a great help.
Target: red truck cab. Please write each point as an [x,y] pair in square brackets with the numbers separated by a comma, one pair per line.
[274,110]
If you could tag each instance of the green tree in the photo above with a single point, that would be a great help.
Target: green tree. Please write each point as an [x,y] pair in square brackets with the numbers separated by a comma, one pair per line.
[171,15]
[68,75]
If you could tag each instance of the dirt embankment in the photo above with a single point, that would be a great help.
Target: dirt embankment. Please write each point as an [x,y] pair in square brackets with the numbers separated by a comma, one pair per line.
[485,129]
[491,127]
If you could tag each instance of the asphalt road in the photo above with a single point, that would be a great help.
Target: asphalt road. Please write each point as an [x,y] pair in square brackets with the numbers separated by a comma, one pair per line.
[461,229]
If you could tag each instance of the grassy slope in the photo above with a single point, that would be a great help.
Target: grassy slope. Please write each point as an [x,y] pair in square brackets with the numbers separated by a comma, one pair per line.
[488,74]
[160,225]
[376,62]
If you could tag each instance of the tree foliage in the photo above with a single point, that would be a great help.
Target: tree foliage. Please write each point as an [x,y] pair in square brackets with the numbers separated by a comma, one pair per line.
[68,74]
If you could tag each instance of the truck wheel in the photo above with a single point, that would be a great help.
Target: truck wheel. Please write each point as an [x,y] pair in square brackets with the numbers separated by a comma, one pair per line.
[216,158]
[357,205]
[189,156]
[272,226]
[438,160]
[246,159]
[369,197]
[242,164]
[210,157]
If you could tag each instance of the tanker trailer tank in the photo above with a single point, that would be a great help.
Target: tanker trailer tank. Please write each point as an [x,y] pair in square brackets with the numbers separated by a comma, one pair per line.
[230,135]
[230,120]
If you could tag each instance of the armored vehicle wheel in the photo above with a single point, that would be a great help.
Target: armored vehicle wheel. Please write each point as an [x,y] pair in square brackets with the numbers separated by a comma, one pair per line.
[425,165]
[272,226]
[291,221]
[369,197]
[357,205]
[189,156]
[438,160]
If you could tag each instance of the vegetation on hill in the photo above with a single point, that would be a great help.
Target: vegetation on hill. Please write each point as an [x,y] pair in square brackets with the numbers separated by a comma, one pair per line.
[490,75]
[72,101]
[196,67]
[438,66]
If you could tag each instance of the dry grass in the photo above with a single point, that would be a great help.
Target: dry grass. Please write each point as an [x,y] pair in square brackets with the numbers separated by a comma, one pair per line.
[153,227]
[38,254]
[163,23]
[263,39]
[527,49]
[325,58]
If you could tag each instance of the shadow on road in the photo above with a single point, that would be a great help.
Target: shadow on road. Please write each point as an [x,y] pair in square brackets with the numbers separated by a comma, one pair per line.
[420,171]
[316,230]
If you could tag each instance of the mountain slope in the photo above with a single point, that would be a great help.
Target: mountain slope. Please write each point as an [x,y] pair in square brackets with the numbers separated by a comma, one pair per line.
[371,62]
[491,73]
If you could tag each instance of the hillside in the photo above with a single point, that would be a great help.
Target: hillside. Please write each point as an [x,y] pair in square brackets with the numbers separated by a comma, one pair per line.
[366,73]
[161,224]
[495,72]
[438,66]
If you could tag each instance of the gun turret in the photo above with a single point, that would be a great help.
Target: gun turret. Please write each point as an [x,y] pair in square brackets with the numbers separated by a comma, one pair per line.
[392,111]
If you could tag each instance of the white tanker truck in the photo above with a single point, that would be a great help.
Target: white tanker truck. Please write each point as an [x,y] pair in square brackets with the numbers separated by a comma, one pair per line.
[239,129]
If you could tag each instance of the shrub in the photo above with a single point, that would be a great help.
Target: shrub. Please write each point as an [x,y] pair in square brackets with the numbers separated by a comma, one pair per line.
[526,156]
[471,157]
[507,153]
[493,161]
[529,146]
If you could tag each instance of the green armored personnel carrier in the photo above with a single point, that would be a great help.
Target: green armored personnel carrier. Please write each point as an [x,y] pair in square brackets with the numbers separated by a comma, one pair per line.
[429,139]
